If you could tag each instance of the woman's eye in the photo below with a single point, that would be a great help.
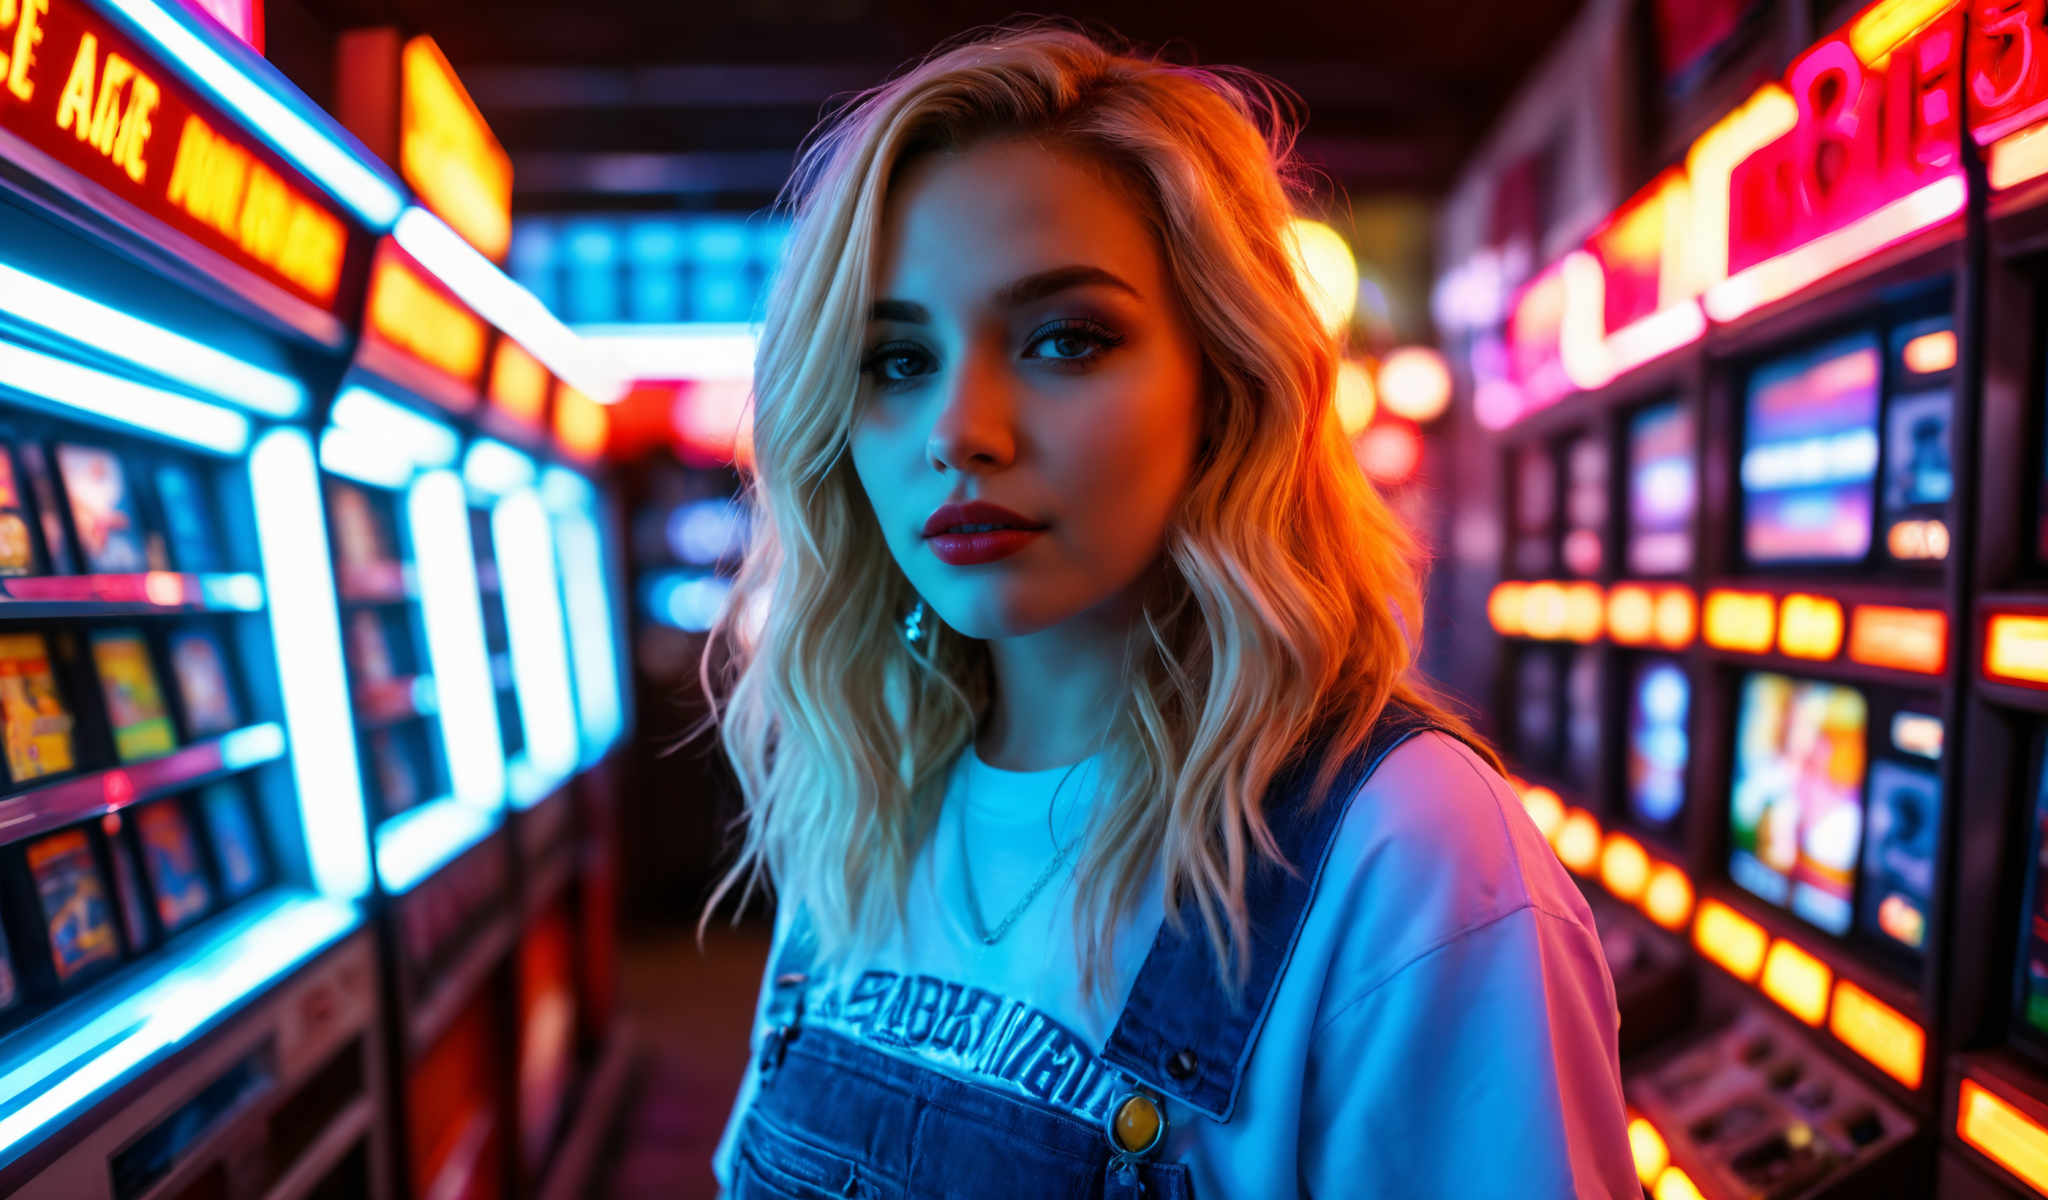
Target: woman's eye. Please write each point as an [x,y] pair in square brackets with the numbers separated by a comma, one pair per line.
[1073,341]
[894,363]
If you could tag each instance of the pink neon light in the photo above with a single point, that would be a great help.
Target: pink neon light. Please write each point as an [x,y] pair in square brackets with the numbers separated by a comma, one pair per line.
[1592,356]
[1775,278]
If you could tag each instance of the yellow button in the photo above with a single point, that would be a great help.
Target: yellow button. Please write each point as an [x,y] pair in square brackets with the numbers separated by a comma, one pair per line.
[1137,1124]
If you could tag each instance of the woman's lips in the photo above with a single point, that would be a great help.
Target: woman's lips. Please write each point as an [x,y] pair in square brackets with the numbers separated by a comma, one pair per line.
[969,549]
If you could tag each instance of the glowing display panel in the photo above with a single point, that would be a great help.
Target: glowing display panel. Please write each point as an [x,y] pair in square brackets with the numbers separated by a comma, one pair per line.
[2034,951]
[1663,487]
[1796,808]
[1660,698]
[415,315]
[79,90]
[1809,468]
[449,154]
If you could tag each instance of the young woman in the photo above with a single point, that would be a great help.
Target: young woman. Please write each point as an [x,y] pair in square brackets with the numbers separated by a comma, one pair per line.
[1119,850]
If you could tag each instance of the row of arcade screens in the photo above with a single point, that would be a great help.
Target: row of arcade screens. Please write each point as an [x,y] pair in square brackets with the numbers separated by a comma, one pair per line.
[1834,791]
[1845,453]
[68,506]
[401,765]
[83,899]
[41,683]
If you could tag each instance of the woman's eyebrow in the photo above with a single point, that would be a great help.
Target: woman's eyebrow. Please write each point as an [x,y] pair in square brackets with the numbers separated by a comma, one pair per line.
[1024,291]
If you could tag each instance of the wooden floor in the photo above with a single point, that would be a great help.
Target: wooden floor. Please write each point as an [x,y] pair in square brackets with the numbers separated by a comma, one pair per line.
[691,1011]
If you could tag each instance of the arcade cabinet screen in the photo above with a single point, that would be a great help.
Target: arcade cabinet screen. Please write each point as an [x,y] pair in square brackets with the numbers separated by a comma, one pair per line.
[1662,489]
[1899,830]
[1809,468]
[2034,999]
[1537,684]
[1582,694]
[1796,808]
[1918,475]
[1660,695]
[1585,504]
[1535,510]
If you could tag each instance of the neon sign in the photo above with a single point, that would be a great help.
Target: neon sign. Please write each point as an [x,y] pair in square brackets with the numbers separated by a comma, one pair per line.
[415,316]
[519,384]
[448,153]
[243,18]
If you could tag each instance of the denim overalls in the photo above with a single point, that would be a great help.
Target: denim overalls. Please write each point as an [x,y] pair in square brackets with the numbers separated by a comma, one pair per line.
[834,1118]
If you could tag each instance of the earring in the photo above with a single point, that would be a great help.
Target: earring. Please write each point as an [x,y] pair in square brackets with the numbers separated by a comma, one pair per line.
[914,631]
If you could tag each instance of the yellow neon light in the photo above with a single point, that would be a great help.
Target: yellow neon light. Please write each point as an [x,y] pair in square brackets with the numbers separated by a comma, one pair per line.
[1583,612]
[448,152]
[519,384]
[1546,810]
[2019,157]
[2003,1134]
[1890,1040]
[1651,1154]
[1668,898]
[1766,116]
[1631,614]
[1676,620]
[1504,608]
[581,424]
[1885,26]
[1798,981]
[1740,620]
[2016,648]
[1543,609]
[220,184]
[1675,1184]
[1809,627]
[1578,841]
[1730,939]
[1930,352]
[1624,867]
[411,314]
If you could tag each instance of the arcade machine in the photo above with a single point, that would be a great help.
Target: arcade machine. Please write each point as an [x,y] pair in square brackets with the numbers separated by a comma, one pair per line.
[188,996]
[1994,1102]
[1764,343]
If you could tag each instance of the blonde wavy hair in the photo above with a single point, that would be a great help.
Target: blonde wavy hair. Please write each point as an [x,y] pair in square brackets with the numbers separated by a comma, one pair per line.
[1285,610]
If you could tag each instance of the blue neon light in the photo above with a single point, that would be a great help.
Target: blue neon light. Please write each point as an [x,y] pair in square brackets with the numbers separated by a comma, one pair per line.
[351,177]
[306,629]
[252,745]
[453,610]
[496,469]
[239,591]
[64,312]
[151,409]
[421,840]
[586,595]
[533,620]
[239,959]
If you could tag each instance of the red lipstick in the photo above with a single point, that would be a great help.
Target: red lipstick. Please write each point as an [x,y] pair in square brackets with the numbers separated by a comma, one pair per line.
[978,532]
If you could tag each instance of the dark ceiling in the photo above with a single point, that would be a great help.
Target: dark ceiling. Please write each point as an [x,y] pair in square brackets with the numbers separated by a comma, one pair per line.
[618,104]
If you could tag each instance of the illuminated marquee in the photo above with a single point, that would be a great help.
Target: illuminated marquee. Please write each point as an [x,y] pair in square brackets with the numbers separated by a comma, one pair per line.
[519,383]
[417,317]
[449,154]
[80,91]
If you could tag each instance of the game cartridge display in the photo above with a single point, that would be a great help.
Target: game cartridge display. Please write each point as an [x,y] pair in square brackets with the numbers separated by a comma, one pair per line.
[199,664]
[135,702]
[110,534]
[187,518]
[237,844]
[76,912]
[177,875]
[36,722]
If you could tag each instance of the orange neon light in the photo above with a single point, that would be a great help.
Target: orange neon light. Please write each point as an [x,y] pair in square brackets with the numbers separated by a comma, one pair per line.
[581,424]
[1676,621]
[1504,608]
[448,153]
[1546,810]
[1624,867]
[519,384]
[1904,639]
[1730,939]
[2016,649]
[1884,27]
[2019,157]
[1809,627]
[1578,841]
[1543,610]
[2002,1133]
[1930,352]
[1583,612]
[1740,620]
[1775,278]
[1647,1145]
[1797,981]
[1668,898]
[1922,539]
[1631,614]
[1766,116]
[1892,1042]
[1675,1184]
[418,318]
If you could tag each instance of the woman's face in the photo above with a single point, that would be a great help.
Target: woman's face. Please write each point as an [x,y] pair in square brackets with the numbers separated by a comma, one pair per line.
[1026,349]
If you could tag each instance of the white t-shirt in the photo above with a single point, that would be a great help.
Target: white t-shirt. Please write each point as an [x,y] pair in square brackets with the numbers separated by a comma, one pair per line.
[1445,1026]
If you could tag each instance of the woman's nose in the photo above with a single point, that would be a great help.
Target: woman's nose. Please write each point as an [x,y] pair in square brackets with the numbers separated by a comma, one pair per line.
[975,424]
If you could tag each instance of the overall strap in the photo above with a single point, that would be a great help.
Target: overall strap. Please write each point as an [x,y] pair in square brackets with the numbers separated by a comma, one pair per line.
[1179,1031]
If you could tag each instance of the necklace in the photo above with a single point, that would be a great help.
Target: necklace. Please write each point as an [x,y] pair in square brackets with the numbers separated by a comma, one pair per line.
[981,930]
